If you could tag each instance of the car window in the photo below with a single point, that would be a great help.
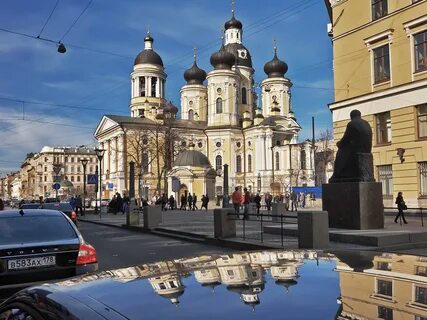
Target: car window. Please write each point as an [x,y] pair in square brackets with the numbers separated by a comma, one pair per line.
[30,206]
[58,206]
[34,229]
[16,313]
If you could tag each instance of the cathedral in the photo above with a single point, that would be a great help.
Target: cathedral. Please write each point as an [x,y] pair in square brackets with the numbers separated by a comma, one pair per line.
[221,122]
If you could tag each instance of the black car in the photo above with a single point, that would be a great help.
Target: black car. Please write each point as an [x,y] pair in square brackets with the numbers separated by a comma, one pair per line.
[64,207]
[37,245]
[280,284]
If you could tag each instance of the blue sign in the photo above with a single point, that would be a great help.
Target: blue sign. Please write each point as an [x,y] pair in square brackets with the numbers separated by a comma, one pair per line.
[176,184]
[56,186]
[92,179]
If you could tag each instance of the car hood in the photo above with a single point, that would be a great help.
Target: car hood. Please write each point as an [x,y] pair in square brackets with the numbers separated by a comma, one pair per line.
[261,284]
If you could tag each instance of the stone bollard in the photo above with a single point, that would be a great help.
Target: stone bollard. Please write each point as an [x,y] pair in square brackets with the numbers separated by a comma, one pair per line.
[277,209]
[224,225]
[313,229]
[132,216]
[152,217]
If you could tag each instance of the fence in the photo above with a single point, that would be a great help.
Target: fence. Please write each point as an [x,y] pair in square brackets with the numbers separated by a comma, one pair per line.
[262,218]
[417,210]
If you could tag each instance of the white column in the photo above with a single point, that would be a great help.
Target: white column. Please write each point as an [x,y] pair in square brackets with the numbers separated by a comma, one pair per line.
[148,83]
[158,88]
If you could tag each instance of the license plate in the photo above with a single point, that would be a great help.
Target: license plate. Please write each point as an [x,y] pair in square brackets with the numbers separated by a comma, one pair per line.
[29,263]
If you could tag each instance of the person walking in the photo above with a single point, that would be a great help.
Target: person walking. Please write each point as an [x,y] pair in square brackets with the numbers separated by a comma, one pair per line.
[183,202]
[268,200]
[195,202]
[236,198]
[246,201]
[164,201]
[294,199]
[79,205]
[400,206]
[171,202]
[190,202]
[257,201]
[126,203]
[205,202]
[287,200]
[73,203]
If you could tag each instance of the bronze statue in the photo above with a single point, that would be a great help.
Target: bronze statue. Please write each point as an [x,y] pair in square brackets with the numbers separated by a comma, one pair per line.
[353,161]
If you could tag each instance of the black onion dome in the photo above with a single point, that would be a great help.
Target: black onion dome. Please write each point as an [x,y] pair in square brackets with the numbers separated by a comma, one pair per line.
[233,23]
[195,75]
[234,49]
[275,68]
[148,55]
[222,59]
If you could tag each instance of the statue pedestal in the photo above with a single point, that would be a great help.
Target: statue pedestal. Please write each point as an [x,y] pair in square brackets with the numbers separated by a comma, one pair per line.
[354,205]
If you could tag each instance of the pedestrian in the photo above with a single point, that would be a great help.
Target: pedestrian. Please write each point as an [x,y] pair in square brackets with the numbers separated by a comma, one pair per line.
[119,203]
[79,205]
[195,202]
[1,205]
[73,203]
[257,201]
[236,198]
[246,201]
[183,202]
[303,199]
[126,203]
[268,200]
[294,201]
[190,202]
[164,201]
[287,200]
[112,205]
[171,202]
[400,206]
[205,202]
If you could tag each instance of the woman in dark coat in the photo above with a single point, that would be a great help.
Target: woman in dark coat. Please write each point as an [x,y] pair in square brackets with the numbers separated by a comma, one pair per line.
[400,206]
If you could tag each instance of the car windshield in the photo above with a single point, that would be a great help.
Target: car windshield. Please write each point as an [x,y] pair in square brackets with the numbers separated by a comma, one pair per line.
[58,206]
[30,229]
[30,206]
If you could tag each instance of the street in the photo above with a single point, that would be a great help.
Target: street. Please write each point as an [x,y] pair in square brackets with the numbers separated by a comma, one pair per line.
[118,248]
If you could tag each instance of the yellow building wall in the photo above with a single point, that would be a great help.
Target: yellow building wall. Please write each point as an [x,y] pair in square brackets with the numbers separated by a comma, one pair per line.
[352,59]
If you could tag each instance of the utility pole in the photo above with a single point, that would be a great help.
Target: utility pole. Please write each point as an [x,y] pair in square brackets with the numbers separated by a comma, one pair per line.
[313,150]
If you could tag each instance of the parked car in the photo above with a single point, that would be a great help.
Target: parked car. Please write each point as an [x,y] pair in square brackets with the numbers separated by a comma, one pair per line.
[37,245]
[279,284]
[64,207]
[51,200]
[104,203]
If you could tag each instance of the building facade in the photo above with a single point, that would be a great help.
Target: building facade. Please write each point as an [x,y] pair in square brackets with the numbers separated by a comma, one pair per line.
[219,117]
[380,68]
[37,174]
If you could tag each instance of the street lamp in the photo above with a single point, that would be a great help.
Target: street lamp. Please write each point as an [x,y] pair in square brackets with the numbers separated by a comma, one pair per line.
[84,164]
[259,181]
[100,155]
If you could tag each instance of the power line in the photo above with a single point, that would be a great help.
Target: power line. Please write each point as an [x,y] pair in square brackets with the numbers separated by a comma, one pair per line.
[75,21]
[48,18]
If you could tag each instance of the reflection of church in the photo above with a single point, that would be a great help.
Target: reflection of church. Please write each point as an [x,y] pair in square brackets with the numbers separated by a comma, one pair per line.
[220,118]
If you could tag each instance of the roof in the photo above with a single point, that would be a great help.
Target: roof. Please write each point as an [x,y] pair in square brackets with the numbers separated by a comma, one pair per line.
[233,48]
[191,158]
[30,213]
[148,56]
[129,119]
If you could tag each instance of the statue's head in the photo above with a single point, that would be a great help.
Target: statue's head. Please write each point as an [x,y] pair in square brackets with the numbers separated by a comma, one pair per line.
[355,114]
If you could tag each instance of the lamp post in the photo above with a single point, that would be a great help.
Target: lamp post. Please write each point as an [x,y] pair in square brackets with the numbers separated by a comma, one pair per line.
[100,155]
[259,181]
[84,164]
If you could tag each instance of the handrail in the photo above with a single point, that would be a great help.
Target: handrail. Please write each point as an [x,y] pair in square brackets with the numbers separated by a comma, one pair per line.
[419,209]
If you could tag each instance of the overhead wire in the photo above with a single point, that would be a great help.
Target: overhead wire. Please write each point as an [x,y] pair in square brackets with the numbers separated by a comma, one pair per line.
[48,19]
[75,21]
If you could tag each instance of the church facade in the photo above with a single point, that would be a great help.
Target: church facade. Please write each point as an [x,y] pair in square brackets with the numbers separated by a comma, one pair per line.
[221,122]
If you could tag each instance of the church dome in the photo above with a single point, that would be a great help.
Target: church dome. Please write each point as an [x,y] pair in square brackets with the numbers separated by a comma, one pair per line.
[222,59]
[170,108]
[148,55]
[233,23]
[275,68]
[195,75]
[191,158]
[240,53]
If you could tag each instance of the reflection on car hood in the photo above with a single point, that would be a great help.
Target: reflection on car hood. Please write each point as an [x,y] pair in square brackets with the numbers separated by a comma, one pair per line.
[265,284]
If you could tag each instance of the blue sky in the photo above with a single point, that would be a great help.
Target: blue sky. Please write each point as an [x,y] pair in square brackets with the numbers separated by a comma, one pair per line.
[93,75]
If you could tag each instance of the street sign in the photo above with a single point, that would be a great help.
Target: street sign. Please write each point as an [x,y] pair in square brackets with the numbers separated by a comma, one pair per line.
[175,184]
[56,186]
[92,179]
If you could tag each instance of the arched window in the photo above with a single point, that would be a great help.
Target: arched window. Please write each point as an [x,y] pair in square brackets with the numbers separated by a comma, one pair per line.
[190,114]
[277,161]
[153,86]
[244,97]
[218,163]
[142,86]
[303,160]
[249,163]
[219,105]
[238,163]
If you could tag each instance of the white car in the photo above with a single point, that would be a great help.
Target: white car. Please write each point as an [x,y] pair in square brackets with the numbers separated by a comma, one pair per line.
[104,203]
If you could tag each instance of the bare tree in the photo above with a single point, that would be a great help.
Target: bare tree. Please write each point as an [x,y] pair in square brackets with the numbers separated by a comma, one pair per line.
[324,154]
